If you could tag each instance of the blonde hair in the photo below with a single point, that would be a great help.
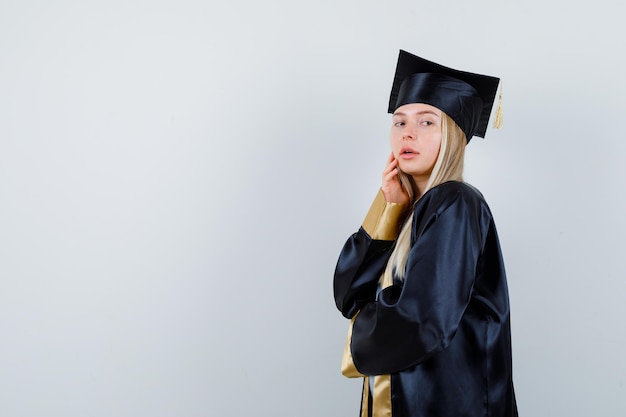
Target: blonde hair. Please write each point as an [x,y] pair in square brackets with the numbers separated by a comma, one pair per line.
[448,167]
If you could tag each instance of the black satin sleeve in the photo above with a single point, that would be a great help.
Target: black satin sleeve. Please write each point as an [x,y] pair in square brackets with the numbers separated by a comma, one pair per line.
[410,322]
[360,265]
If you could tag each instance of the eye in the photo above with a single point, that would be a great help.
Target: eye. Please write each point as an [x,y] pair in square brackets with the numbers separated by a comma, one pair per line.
[398,124]
[426,123]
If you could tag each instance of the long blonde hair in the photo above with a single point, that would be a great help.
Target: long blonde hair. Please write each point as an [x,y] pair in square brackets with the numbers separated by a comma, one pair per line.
[448,167]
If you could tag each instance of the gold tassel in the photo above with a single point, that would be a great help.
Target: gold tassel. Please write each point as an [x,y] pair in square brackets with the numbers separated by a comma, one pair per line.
[497,121]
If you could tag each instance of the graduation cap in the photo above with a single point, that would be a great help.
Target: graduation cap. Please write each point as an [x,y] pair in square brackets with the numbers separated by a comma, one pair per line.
[466,97]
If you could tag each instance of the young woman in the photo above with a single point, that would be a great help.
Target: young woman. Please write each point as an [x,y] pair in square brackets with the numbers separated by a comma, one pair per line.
[423,279]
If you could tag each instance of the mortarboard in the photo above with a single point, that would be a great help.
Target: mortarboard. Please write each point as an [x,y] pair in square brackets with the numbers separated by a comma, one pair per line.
[466,97]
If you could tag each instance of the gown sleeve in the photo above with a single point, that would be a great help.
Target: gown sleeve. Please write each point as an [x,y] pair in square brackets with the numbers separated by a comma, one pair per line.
[364,256]
[408,323]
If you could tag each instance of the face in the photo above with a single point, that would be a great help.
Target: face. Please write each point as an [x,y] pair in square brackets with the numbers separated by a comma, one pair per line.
[416,139]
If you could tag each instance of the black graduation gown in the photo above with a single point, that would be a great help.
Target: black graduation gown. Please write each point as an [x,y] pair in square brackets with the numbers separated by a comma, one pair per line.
[443,334]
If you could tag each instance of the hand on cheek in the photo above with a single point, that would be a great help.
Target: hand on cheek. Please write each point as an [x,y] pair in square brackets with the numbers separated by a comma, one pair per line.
[391,185]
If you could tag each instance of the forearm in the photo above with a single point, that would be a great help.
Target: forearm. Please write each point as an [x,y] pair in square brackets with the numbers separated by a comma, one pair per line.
[365,254]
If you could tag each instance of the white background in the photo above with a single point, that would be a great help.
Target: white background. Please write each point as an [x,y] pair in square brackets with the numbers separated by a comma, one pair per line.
[177,179]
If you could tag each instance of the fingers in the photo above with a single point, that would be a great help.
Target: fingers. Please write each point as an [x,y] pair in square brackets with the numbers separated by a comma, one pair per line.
[391,186]
[390,173]
[392,165]
[390,178]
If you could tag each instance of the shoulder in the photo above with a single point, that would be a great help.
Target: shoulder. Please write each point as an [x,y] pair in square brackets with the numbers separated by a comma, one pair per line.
[453,203]
[452,192]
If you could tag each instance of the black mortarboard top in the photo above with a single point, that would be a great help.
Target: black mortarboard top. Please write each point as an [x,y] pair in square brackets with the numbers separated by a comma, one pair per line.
[466,97]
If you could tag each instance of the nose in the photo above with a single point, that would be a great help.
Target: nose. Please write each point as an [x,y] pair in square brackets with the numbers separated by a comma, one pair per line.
[408,134]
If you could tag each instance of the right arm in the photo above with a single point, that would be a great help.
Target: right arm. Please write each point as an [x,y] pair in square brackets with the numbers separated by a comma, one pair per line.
[365,254]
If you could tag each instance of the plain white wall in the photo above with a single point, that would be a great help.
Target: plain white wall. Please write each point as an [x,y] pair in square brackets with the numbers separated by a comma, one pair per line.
[177,179]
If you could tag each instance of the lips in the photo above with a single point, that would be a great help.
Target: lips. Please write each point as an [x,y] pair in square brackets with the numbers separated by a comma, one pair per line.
[407,152]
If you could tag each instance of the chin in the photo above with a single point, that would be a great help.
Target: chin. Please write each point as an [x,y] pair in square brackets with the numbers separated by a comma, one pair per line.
[409,170]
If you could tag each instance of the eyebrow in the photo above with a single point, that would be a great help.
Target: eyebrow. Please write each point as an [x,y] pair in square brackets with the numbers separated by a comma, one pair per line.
[417,113]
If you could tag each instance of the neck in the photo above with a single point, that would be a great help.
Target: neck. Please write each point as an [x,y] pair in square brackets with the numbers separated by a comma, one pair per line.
[420,185]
